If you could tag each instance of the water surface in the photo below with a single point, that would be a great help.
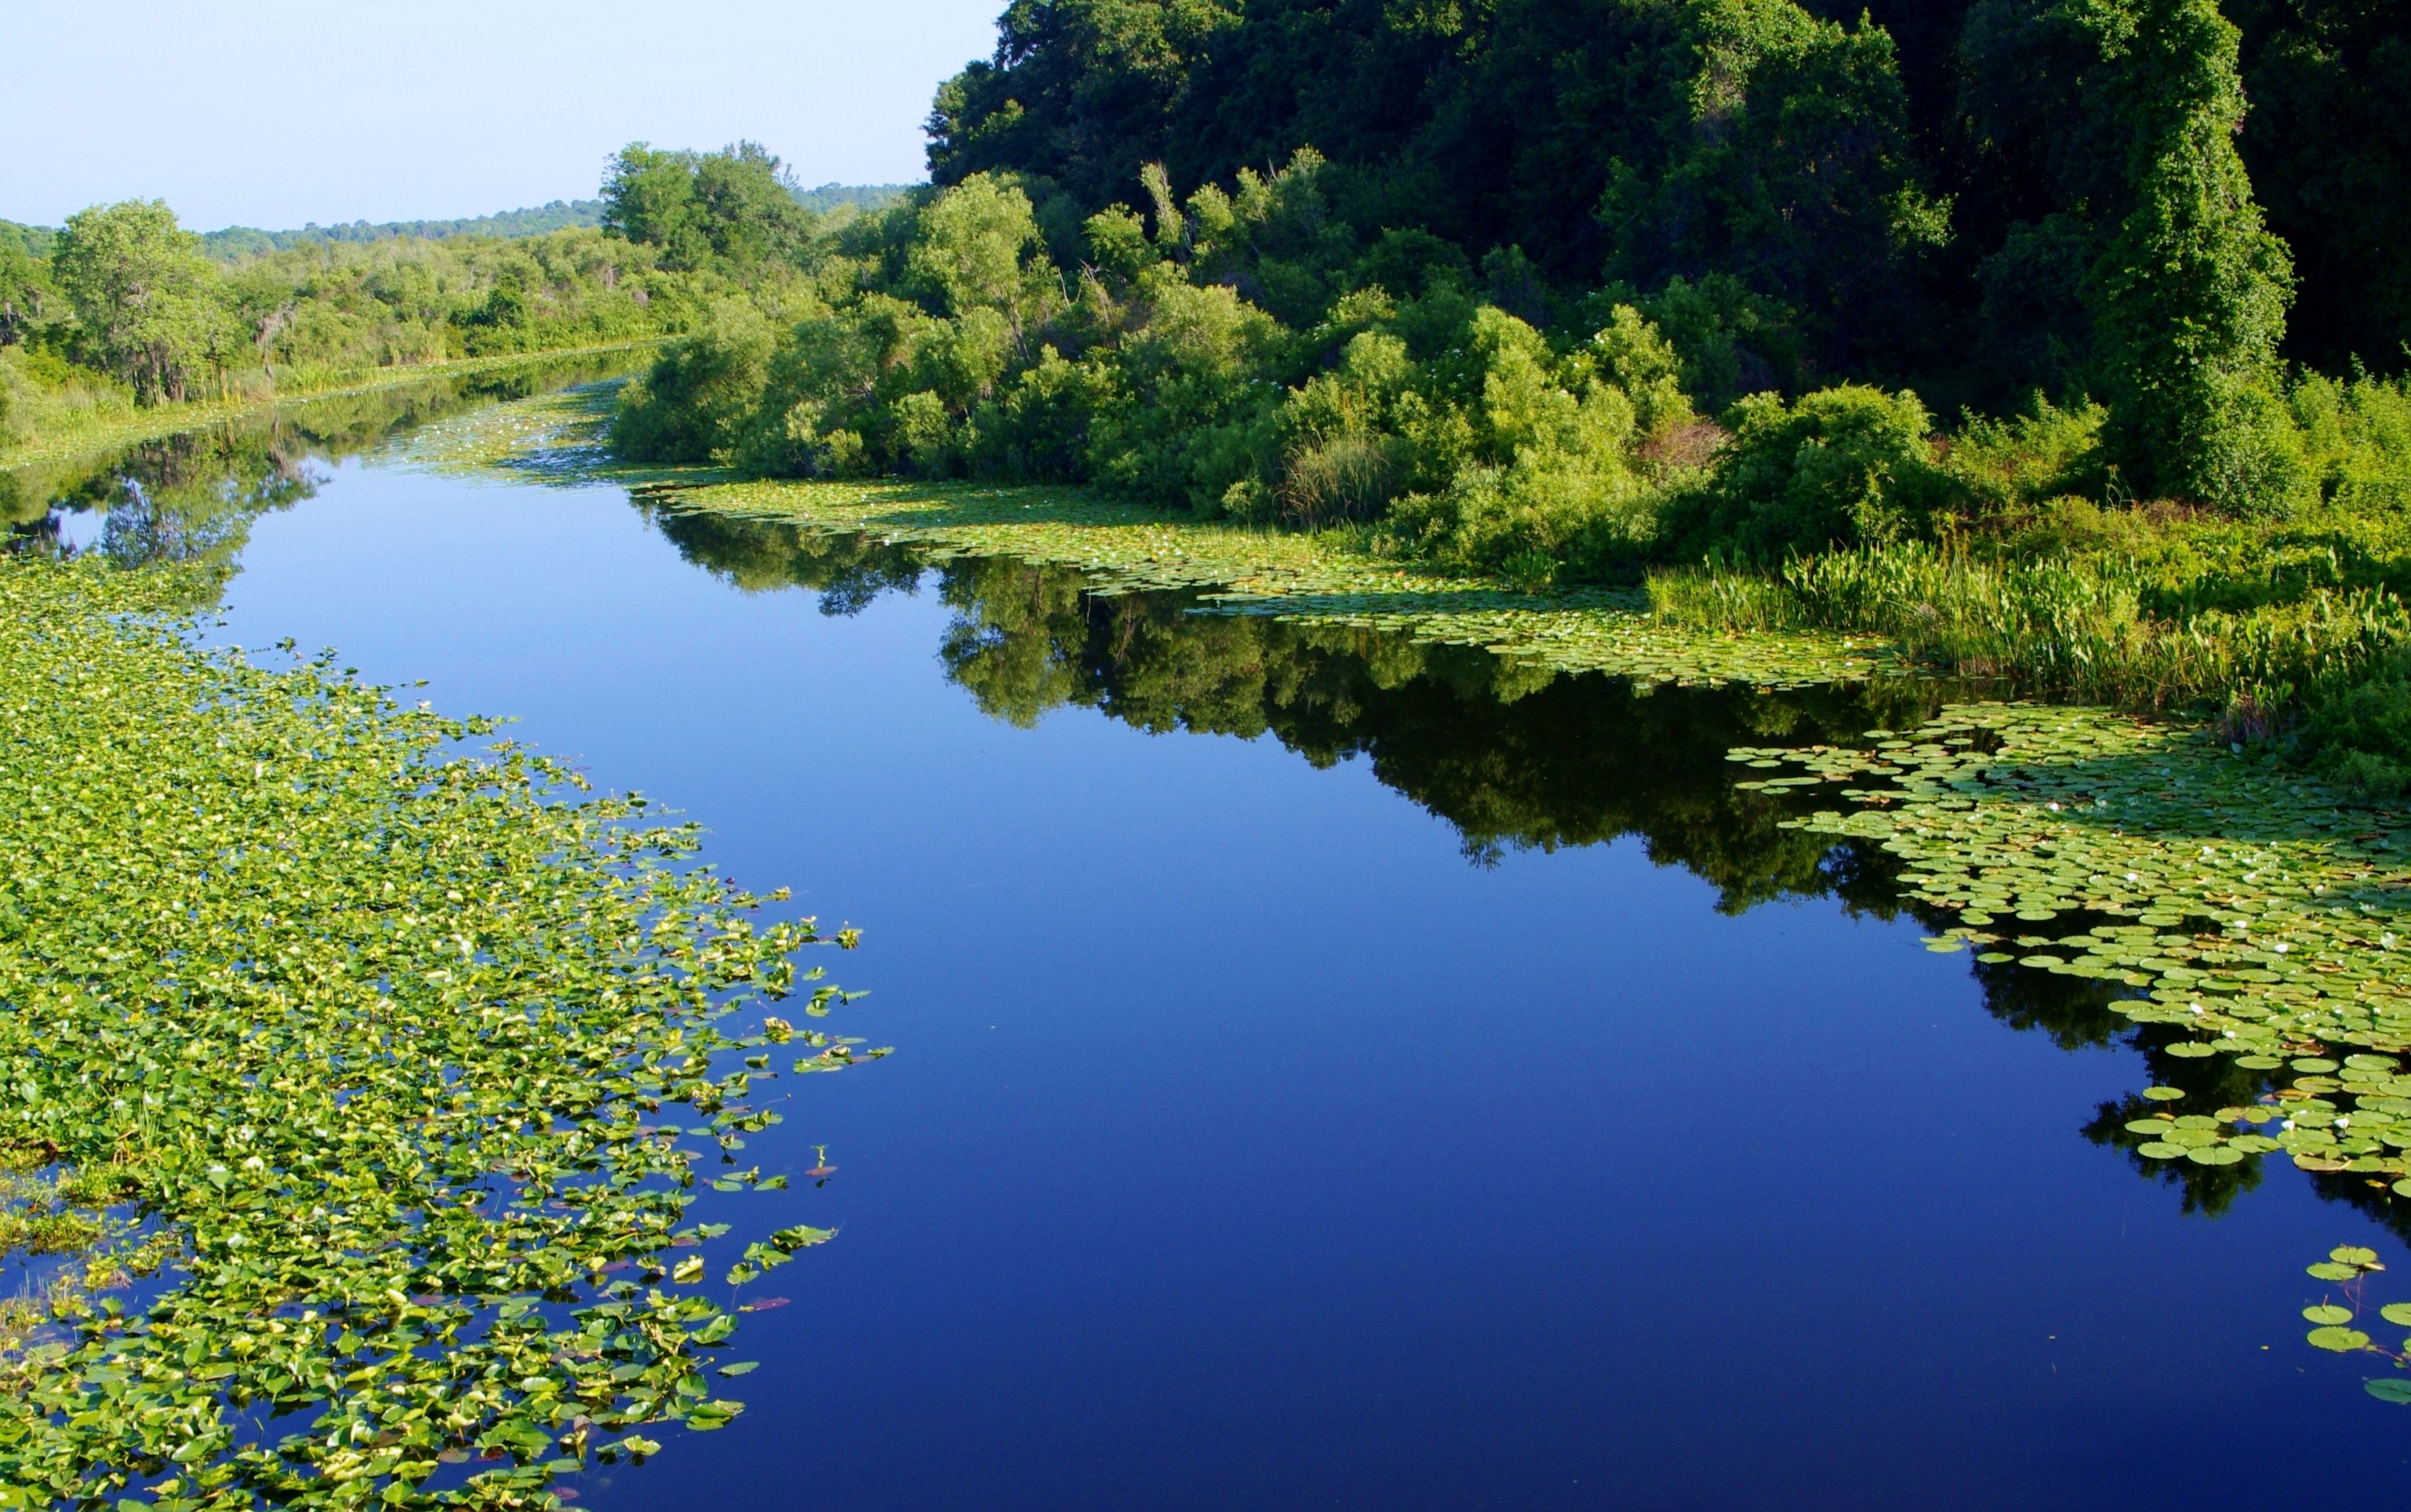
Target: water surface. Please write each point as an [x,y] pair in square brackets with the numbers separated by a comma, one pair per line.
[1331,1073]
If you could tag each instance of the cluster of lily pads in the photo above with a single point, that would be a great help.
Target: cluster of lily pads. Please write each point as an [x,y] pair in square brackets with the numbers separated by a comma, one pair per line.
[385,1069]
[2332,1324]
[2217,895]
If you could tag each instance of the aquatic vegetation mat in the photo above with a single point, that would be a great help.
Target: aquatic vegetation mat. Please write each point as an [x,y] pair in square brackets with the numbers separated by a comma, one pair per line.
[2243,911]
[394,1064]
[1124,546]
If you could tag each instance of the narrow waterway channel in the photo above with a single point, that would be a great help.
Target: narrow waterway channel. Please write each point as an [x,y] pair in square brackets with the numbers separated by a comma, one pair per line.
[1330,1073]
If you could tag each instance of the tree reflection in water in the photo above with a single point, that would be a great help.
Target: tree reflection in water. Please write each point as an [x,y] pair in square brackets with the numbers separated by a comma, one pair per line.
[1514,757]
[190,499]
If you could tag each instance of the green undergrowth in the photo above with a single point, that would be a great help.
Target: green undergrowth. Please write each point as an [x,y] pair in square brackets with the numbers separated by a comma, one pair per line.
[2260,928]
[403,1059]
[1336,575]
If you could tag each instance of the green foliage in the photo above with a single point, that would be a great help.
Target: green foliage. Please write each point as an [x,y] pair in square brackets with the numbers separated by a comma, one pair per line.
[237,243]
[1845,466]
[733,209]
[400,302]
[393,1261]
[977,248]
[2048,453]
[1764,181]
[149,309]
[694,404]
[27,298]
[2326,144]
[145,318]
[2360,737]
[2191,292]
[1542,466]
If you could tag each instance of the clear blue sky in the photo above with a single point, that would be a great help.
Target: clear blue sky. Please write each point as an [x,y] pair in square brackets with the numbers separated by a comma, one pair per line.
[278,112]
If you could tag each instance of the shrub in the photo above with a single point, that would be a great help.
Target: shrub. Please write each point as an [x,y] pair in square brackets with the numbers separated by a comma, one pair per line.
[1845,466]
[696,403]
[2359,737]
[2020,462]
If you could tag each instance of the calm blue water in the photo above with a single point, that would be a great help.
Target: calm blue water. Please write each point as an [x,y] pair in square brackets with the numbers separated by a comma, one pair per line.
[1247,1143]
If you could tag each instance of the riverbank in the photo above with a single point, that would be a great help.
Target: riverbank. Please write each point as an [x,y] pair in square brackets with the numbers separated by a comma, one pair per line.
[1336,575]
[116,429]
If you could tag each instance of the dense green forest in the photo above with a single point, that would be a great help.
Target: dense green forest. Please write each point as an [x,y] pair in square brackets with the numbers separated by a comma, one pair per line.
[1938,295]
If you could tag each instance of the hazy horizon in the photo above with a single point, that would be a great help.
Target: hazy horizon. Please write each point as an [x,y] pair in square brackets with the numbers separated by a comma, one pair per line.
[443,111]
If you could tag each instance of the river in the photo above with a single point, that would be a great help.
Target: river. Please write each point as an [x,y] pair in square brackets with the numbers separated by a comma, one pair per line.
[1334,1073]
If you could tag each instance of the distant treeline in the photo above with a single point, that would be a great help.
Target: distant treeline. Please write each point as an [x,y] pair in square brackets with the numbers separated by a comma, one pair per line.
[122,307]
[236,243]
[239,242]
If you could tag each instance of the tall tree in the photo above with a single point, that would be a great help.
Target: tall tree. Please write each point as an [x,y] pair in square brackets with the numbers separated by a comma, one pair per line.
[2329,144]
[148,304]
[734,208]
[2190,293]
[24,291]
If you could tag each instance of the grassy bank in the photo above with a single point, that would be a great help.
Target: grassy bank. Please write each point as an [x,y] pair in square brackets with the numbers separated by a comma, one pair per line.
[2064,626]
[372,1057]
[106,425]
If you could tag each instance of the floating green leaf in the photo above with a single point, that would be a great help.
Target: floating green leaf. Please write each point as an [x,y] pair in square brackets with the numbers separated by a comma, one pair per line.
[377,1036]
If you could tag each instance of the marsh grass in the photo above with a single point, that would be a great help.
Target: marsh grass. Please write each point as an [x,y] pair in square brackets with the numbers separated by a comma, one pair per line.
[2057,626]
